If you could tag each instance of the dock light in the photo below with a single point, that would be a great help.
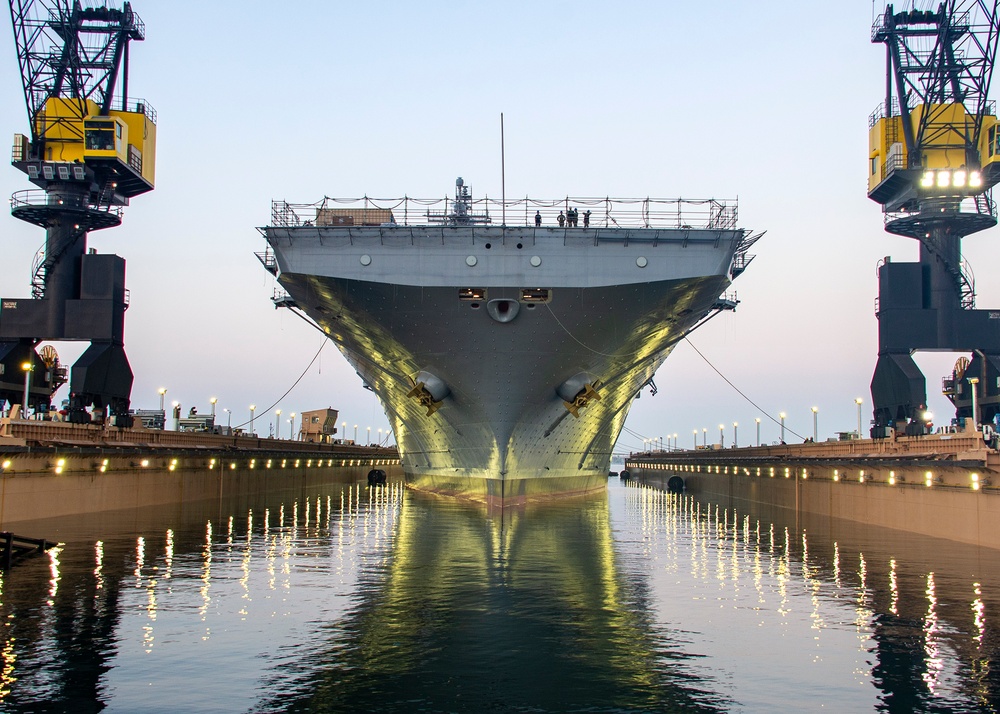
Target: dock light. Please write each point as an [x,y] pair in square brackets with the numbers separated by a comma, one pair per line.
[144,463]
[943,179]
[975,179]
[861,477]
[232,466]
[805,474]
[213,401]
[162,391]
[975,405]
[6,464]
[959,178]
[975,481]
[27,367]
[928,479]
[836,474]
[927,180]
[892,478]
[60,464]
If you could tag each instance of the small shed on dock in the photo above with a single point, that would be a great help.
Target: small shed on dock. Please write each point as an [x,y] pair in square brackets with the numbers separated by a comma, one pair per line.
[319,425]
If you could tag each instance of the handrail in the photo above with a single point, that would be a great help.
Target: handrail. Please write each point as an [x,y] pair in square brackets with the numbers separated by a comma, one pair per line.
[677,213]
[39,197]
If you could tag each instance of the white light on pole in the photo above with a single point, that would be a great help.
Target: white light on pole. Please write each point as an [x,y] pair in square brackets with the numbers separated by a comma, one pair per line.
[695,439]
[815,423]
[858,401]
[704,437]
[736,440]
[291,427]
[229,418]
[253,408]
[355,433]
[213,402]
[782,417]
[975,403]
[757,420]
[27,367]
[722,436]
[277,423]
[163,392]
[369,436]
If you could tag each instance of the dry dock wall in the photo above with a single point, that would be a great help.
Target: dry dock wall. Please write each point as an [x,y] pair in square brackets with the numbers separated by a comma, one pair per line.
[942,487]
[54,470]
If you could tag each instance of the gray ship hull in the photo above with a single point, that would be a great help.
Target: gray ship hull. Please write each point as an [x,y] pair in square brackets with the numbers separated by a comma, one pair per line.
[477,339]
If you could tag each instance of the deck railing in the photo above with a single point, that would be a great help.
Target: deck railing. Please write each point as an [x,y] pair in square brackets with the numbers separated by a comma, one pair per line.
[720,214]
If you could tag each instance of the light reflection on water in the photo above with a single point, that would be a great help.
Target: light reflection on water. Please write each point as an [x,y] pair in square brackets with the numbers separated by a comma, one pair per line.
[341,598]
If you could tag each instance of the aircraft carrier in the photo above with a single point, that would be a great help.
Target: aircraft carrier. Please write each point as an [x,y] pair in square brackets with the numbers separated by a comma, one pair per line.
[506,340]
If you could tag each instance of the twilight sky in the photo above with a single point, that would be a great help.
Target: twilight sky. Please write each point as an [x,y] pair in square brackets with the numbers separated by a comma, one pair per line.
[767,102]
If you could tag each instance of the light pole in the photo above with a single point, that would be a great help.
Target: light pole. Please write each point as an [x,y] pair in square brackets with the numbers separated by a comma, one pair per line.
[369,436]
[782,417]
[291,427]
[355,433]
[975,404]
[177,416]
[675,442]
[380,437]
[253,408]
[27,367]
[695,439]
[163,392]
[343,431]
[722,436]
[757,420]
[858,402]
[704,437]
[229,418]
[277,423]
[735,439]
[213,402]
[815,423]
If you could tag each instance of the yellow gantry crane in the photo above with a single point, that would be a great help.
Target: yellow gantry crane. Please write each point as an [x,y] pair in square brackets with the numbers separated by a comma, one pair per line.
[934,156]
[92,147]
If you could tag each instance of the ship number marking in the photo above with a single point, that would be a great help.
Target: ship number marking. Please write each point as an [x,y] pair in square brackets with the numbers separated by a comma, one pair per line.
[10,304]
[993,315]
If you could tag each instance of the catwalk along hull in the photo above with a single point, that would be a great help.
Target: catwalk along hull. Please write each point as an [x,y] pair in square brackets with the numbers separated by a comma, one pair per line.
[506,358]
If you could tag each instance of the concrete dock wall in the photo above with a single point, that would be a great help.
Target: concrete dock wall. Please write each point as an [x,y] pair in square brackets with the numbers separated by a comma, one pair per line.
[946,486]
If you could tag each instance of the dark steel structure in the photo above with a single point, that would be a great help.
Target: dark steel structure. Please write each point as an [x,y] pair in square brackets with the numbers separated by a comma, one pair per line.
[933,161]
[91,149]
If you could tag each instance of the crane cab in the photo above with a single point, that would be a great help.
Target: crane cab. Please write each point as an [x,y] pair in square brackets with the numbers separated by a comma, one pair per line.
[945,166]
[118,147]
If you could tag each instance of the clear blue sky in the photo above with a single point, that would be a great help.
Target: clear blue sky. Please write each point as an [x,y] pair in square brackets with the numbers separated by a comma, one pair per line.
[259,101]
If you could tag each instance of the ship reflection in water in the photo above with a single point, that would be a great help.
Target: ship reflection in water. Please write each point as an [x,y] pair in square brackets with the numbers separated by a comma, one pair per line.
[344,598]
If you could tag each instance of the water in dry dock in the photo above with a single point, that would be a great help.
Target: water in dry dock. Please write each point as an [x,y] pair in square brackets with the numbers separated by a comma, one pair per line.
[340,598]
